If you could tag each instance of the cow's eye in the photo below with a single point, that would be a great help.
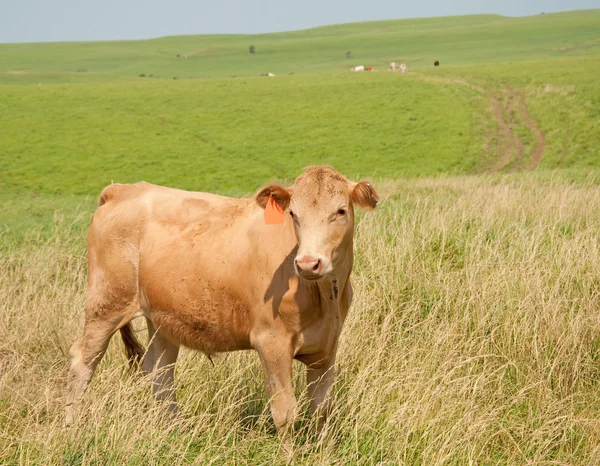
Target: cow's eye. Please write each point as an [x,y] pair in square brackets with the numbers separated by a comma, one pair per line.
[341,212]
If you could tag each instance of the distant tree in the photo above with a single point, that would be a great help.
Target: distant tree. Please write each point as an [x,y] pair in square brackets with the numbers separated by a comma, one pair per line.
[251,49]
[348,54]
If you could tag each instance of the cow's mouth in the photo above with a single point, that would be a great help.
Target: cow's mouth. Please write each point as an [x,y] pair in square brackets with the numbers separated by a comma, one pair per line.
[311,278]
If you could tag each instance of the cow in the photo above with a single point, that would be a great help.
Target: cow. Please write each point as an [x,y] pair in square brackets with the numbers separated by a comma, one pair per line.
[402,68]
[216,274]
[358,68]
[436,63]
[393,66]
[271,75]
[368,68]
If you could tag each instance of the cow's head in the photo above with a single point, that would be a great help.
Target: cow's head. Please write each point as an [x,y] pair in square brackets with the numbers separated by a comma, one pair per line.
[321,205]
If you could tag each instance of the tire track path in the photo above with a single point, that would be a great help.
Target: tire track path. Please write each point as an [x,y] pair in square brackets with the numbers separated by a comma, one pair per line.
[504,146]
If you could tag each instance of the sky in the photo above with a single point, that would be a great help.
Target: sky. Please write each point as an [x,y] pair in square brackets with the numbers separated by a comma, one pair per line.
[86,20]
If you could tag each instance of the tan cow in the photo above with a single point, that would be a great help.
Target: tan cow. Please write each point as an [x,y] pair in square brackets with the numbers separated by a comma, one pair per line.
[207,272]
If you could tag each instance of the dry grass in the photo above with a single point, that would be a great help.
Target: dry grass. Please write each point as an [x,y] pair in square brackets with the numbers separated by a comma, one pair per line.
[474,338]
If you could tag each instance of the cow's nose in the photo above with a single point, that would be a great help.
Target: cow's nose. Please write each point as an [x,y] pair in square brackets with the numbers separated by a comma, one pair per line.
[309,266]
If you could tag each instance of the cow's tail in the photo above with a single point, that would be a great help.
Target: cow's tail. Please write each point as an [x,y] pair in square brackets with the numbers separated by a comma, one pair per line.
[133,348]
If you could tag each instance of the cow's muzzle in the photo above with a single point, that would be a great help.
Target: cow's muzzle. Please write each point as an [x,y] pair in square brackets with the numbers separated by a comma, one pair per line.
[309,267]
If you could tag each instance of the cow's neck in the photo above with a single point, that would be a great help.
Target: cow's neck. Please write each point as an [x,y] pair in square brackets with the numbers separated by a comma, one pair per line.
[332,287]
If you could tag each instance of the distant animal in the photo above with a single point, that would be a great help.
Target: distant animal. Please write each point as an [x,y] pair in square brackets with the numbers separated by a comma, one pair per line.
[402,68]
[216,274]
[358,68]
[271,75]
[393,66]
[436,63]
[368,68]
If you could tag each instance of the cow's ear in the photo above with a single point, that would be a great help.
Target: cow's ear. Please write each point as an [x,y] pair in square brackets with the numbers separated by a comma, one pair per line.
[281,195]
[364,195]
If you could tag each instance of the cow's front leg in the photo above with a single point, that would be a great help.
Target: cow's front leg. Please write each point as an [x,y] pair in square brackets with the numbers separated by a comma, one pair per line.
[319,379]
[277,367]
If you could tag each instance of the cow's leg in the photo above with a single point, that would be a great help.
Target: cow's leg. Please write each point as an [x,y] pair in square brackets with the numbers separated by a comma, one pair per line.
[277,367]
[86,353]
[319,379]
[159,362]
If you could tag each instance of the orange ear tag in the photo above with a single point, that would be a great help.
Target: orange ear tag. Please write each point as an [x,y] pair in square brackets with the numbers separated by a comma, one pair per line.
[273,213]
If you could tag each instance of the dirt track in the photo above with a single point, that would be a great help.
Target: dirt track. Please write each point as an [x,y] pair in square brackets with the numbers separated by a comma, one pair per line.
[505,150]
[510,111]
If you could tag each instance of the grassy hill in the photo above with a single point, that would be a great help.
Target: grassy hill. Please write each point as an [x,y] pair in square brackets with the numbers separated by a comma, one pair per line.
[417,42]
[512,94]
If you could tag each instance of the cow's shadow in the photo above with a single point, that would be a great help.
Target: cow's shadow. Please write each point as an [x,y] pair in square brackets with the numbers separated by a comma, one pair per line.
[280,284]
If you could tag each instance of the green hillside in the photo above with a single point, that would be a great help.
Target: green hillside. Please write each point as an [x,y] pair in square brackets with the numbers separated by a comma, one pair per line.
[417,42]
[512,95]
[228,135]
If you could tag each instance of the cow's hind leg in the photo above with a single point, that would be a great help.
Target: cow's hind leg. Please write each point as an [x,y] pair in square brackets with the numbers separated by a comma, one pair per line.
[159,363]
[86,353]
[111,304]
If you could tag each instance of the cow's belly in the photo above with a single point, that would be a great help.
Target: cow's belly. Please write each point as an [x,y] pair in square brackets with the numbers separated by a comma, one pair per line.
[196,302]
[202,321]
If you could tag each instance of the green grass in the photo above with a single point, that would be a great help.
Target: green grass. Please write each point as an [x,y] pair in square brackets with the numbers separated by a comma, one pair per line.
[229,135]
[63,142]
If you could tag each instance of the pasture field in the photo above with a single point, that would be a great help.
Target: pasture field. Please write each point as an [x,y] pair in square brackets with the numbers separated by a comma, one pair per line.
[62,143]
[474,337]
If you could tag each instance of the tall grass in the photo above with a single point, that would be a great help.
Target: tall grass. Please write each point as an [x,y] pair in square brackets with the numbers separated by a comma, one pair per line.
[474,338]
